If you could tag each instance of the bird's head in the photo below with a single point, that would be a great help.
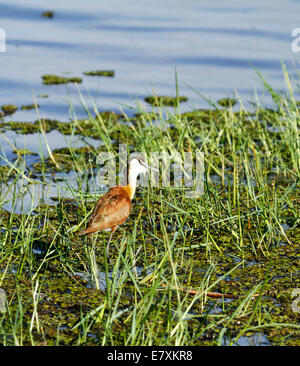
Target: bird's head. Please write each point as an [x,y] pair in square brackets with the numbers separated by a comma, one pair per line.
[138,166]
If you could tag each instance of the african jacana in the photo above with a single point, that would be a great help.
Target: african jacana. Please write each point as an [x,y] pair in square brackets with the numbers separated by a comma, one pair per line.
[113,208]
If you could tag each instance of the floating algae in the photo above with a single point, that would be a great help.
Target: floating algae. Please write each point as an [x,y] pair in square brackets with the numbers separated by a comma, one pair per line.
[9,109]
[48,14]
[6,173]
[227,102]
[164,100]
[51,79]
[85,127]
[65,160]
[30,127]
[107,73]
[29,106]
[23,152]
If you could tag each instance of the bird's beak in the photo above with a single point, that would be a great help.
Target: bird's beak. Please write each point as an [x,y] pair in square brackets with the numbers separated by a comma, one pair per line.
[150,167]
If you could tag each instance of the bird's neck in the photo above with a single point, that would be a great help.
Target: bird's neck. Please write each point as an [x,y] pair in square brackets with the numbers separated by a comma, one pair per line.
[131,186]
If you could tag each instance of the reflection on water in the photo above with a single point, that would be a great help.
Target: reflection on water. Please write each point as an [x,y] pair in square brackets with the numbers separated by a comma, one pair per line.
[256,339]
[212,46]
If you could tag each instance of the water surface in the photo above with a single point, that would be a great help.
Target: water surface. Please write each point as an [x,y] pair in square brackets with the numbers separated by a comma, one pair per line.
[213,46]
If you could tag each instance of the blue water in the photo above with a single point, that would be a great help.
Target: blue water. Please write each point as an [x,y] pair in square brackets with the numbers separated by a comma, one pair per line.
[214,47]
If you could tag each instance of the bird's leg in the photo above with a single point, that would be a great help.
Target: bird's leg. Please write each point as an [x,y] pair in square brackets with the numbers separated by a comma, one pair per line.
[95,269]
[107,248]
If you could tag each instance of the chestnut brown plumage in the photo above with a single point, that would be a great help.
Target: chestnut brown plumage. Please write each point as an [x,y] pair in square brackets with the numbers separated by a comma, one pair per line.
[113,208]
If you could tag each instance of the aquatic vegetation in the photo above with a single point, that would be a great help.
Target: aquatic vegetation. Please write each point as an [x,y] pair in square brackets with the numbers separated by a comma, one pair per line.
[30,127]
[6,173]
[66,159]
[51,79]
[164,100]
[48,14]
[84,127]
[23,152]
[240,237]
[29,106]
[9,109]
[107,73]
[227,102]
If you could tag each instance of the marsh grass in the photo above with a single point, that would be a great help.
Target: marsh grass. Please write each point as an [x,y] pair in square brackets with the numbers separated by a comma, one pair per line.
[240,237]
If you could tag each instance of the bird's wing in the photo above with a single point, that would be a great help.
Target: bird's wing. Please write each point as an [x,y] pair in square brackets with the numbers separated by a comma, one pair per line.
[112,209]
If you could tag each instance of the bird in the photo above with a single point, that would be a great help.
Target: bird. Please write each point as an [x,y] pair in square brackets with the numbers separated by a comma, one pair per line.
[113,208]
